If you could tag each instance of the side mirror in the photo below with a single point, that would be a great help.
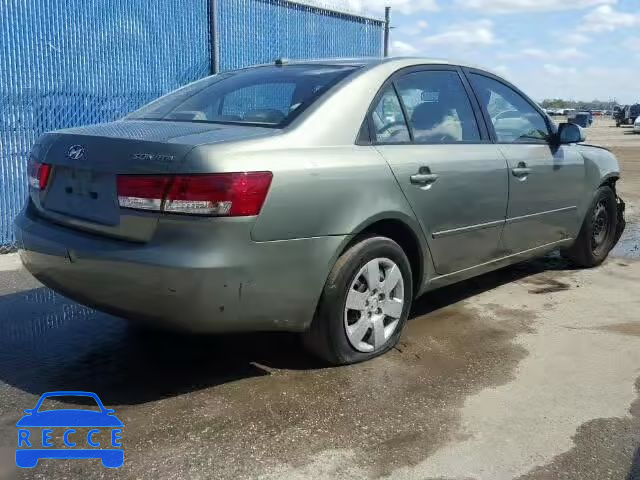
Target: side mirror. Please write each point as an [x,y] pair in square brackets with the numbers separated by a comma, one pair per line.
[29,411]
[570,133]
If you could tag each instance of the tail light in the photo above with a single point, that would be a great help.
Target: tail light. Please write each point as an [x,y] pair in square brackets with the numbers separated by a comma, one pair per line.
[220,194]
[38,174]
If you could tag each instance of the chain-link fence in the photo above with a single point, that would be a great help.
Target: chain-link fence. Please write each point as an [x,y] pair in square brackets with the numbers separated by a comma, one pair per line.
[79,62]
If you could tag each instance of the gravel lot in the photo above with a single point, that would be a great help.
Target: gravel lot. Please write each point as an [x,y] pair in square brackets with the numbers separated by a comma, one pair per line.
[531,372]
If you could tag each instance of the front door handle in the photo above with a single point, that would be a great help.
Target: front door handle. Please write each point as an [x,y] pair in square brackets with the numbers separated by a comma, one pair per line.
[424,177]
[521,171]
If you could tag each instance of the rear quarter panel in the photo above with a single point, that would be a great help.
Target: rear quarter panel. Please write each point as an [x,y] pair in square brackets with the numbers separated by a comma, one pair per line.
[319,191]
[329,191]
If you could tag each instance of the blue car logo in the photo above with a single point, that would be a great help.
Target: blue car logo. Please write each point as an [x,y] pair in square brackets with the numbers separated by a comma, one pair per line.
[36,433]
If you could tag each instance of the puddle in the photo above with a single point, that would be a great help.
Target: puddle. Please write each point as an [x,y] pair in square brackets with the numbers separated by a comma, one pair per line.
[247,402]
[604,448]
[546,285]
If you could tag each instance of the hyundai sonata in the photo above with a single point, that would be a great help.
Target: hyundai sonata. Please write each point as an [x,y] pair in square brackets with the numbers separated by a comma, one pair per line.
[316,197]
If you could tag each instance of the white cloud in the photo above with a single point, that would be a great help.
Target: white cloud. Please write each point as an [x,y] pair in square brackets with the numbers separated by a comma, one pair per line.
[558,71]
[416,29]
[606,19]
[376,7]
[574,38]
[502,70]
[532,53]
[519,6]
[476,33]
[632,44]
[402,49]
[570,53]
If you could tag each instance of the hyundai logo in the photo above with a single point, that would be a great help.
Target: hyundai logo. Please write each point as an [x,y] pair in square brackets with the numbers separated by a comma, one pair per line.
[76,152]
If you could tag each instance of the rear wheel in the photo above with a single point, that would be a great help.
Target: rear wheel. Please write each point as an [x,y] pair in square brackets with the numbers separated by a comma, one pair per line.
[364,305]
[598,233]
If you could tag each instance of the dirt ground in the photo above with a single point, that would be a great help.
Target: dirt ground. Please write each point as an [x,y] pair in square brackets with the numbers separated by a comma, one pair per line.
[531,372]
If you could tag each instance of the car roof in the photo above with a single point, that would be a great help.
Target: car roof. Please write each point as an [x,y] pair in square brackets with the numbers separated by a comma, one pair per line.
[371,62]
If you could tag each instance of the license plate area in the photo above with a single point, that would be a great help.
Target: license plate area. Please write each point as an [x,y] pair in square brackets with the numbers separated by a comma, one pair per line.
[83,194]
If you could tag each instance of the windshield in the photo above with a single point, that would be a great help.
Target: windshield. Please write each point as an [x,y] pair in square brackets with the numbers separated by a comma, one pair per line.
[267,96]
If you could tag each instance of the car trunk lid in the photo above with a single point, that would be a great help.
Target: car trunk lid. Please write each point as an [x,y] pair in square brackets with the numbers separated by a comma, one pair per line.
[82,187]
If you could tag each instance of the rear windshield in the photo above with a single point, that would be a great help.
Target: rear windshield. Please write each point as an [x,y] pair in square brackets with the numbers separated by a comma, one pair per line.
[269,96]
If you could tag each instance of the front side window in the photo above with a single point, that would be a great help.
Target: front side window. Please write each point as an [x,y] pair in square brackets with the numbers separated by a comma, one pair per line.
[267,96]
[514,119]
[388,121]
[438,107]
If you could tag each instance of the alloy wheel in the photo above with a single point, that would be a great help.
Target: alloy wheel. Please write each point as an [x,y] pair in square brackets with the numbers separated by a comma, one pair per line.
[601,227]
[374,305]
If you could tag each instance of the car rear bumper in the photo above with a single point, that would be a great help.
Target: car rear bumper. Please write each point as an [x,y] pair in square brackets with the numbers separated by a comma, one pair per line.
[200,276]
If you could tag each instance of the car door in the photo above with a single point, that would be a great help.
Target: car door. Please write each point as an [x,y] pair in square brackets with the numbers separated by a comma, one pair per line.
[427,128]
[546,180]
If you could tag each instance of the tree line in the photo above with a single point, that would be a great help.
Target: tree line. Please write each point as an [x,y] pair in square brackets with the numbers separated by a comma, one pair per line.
[558,103]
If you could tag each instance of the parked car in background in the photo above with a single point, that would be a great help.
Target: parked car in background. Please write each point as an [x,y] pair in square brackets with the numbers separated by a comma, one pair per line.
[627,115]
[636,125]
[314,197]
[632,113]
[618,114]
[583,119]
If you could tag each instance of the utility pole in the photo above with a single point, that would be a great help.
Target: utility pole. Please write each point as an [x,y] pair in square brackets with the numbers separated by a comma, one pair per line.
[387,29]
[214,37]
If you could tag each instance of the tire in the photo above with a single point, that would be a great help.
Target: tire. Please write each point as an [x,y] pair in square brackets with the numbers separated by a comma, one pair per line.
[599,231]
[328,336]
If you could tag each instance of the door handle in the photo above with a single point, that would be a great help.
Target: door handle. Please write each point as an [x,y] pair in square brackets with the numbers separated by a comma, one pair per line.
[521,170]
[424,177]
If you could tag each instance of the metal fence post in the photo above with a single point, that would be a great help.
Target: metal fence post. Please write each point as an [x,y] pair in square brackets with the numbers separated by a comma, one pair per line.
[214,37]
[387,28]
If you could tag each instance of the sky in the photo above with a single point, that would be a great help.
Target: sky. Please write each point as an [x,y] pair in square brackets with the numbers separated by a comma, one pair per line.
[571,49]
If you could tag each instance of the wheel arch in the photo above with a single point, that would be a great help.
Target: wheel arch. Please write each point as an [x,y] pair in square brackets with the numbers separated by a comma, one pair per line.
[610,180]
[406,233]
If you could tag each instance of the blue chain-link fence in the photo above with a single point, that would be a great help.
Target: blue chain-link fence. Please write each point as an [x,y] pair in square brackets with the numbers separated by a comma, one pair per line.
[78,62]
[259,31]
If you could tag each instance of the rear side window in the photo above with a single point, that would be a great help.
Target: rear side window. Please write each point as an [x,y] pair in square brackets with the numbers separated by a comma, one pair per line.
[388,121]
[438,107]
[269,96]
[514,119]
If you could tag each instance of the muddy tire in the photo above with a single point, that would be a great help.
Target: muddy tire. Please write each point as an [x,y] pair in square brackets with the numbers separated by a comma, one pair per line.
[364,305]
[599,231]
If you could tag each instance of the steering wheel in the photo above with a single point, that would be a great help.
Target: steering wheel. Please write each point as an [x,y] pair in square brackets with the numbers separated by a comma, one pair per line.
[389,126]
[506,114]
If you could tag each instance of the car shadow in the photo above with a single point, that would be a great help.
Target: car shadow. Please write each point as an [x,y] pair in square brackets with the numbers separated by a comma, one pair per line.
[443,297]
[49,343]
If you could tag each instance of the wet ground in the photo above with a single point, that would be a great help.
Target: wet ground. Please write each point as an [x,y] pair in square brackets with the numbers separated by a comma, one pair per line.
[531,372]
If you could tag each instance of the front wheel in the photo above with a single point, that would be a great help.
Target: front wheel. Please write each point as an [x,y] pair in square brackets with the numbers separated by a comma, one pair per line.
[364,305]
[599,231]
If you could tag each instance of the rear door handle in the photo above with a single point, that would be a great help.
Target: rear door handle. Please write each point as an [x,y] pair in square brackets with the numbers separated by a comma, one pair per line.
[521,170]
[424,177]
